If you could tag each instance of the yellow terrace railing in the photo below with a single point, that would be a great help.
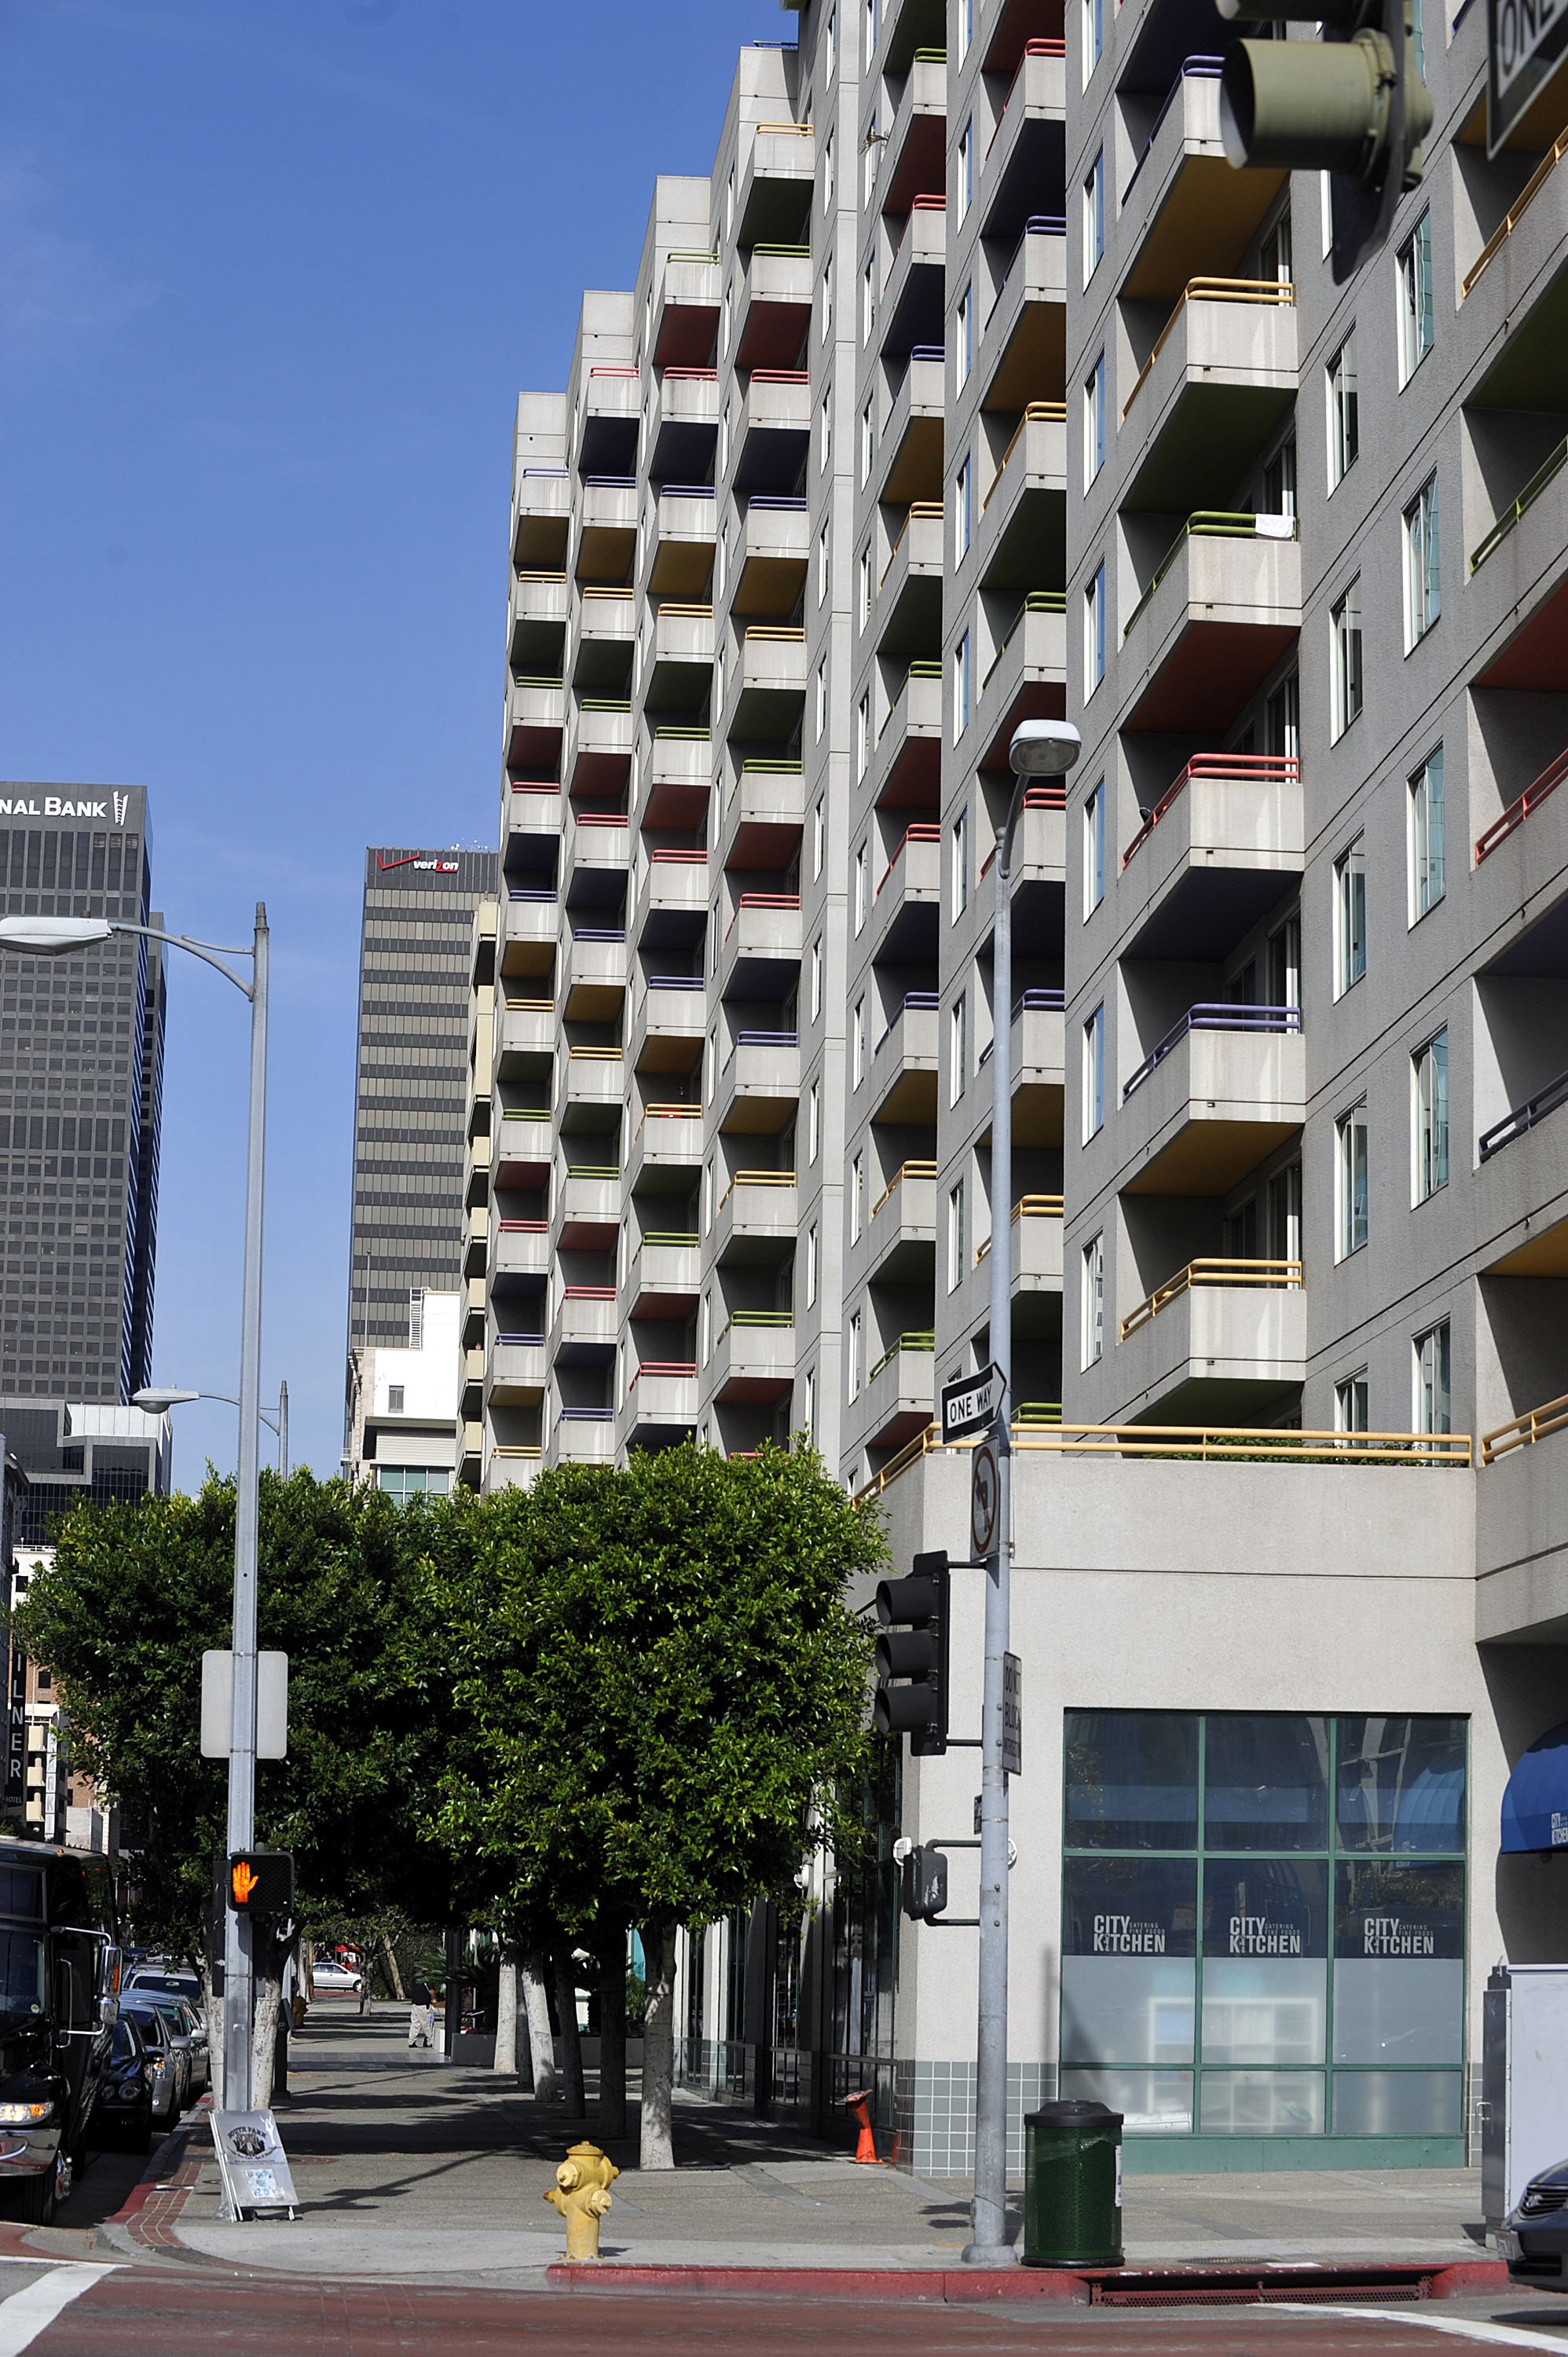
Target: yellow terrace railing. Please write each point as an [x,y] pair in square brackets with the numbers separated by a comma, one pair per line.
[1510,222]
[1027,1207]
[1272,1273]
[1525,1430]
[1276,292]
[755,1179]
[1048,413]
[918,507]
[905,1170]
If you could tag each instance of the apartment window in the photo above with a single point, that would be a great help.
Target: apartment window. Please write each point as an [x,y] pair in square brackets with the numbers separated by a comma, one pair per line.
[868,300]
[855,1353]
[1415,298]
[1434,1389]
[825,304]
[815,998]
[964,509]
[861,878]
[857,1044]
[1345,630]
[965,27]
[1344,413]
[818,838]
[1429,1087]
[1427,874]
[867,436]
[811,1264]
[729,201]
[1423,583]
[871,157]
[957,881]
[823,563]
[1093,216]
[813,1122]
[1282,720]
[708,1194]
[1274,252]
[1350,1404]
[957,1251]
[964,342]
[1094,1073]
[960,687]
[1091,1303]
[706,1329]
[825,430]
[1349,917]
[1350,1180]
[833,40]
[958,1048]
[1094,631]
[864,598]
[1094,849]
[966,167]
[1093,36]
[1094,422]
[862,734]
[868,25]
[396,1393]
[809,1403]
[828,170]
[857,1197]
[821,702]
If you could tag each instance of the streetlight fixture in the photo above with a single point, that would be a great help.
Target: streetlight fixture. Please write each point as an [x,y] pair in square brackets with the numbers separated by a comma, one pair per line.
[1039,748]
[158,1398]
[56,937]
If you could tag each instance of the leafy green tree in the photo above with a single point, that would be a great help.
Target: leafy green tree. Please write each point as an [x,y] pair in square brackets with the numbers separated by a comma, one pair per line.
[137,1592]
[659,1692]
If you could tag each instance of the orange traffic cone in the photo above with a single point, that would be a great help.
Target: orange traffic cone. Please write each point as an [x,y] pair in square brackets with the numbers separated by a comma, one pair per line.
[865,2143]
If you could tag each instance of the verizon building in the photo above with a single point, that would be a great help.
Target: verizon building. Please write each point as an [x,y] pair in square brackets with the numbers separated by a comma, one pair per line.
[82,1041]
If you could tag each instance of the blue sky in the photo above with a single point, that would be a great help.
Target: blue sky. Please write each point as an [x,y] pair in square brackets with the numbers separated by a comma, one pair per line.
[272,272]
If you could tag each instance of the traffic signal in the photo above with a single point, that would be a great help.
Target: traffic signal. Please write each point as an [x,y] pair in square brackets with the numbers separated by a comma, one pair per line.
[912,1658]
[1353,105]
[923,1891]
[261,1882]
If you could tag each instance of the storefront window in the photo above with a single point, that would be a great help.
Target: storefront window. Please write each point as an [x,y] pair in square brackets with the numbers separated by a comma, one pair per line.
[1266,1975]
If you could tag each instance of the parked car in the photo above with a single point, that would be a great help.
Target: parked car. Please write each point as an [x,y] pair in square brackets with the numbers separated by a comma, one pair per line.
[160,2015]
[123,2113]
[329,1974]
[1534,2237]
[163,1978]
[168,2064]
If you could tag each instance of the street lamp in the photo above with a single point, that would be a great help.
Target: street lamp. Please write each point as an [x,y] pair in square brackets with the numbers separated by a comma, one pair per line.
[56,937]
[1040,748]
[158,1398]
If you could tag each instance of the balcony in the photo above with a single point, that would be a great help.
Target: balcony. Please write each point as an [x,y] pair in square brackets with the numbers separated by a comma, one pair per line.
[773,430]
[542,505]
[521,1248]
[899,1392]
[913,156]
[1186,209]
[1221,376]
[590,1077]
[517,1372]
[597,752]
[522,1146]
[902,1076]
[1219,611]
[910,593]
[1037,1265]
[582,1436]
[906,766]
[661,1403]
[514,1465]
[1522,1118]
[1219,1092]
[535,716]
[760,955]
[912,289]
[755,1217]
[1215,851]
[673,898]
[676,773]
[603,636]
[1027,674]
[669,1017]
[773,199]
[775,308]
[764,816]
[532,810]
[754,1356]
[684,525]
[1220,1337]
[689,297]
[583,1329]
[678,657]
[664,1276]
[1024,343]
[532,923]
[910,457]
[758,1090]
[683,425]
[1037,1060]
[771,554]
[527,1035]
[597,843]
[901,1232]
[1039,846]
[475,1241]
[904,915]
[1026,159]
[538,608]
[593,973]
[1022,538]
[666,1142]
[608,405]
[768,687]
[588,1203]
[606,529]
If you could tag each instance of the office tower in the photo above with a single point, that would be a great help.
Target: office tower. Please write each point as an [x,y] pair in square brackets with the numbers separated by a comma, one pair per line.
[81,1040]
[974,385]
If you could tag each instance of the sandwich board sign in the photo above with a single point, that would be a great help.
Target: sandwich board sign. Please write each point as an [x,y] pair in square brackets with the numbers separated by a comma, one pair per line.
[255,2169]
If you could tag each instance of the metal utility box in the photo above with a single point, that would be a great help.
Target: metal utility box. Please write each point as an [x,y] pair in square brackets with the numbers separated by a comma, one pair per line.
[1524,2080]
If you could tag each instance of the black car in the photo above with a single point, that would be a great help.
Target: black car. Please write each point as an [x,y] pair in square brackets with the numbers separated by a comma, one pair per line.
[122,2114]
[1534,2237]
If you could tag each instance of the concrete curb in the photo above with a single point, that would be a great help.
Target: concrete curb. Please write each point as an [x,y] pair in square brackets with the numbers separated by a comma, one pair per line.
[965,2286]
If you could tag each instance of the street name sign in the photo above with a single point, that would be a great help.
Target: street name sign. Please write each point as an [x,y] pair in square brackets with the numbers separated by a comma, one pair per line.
[971,1403]
[1011,1714]
[1527,41]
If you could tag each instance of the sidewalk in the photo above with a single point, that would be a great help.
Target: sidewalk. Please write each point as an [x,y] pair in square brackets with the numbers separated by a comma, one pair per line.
[407,2167]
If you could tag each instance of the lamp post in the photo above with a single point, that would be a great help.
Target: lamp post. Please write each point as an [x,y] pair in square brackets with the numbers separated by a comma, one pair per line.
[56,937]
[1040,748]
[158,1398]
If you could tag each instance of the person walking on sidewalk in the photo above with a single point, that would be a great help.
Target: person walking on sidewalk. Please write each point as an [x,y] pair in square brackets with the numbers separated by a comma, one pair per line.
[421,2015]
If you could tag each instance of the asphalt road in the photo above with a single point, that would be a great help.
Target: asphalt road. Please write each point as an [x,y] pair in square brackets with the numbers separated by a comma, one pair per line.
[73,2310]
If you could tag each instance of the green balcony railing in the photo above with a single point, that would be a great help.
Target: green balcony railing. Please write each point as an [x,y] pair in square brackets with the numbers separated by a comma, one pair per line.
[1206,523]
[923,1341]
[1527,499]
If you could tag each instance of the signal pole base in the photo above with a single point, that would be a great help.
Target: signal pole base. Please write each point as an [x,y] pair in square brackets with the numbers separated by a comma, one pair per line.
[988,2254]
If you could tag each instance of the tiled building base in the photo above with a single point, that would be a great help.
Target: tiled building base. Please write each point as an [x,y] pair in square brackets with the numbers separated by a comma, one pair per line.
[934,2114]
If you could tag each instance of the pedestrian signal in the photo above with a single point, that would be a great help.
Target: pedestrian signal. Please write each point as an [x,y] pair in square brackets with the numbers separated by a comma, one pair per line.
[261,1882]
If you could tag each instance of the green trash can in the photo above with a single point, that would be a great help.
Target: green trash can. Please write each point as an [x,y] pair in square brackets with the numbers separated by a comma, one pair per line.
[1072,2186]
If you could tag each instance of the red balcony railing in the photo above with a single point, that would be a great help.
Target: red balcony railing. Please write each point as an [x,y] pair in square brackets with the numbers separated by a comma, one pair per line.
[1516,812]
[922,833]
[762,900]
[1242,769]
[680,1367]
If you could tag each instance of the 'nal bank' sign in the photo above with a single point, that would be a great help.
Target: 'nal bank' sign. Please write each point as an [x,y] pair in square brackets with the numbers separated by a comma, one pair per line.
[1526,42]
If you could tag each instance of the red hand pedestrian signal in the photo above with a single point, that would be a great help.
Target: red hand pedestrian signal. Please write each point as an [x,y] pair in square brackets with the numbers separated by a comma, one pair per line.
[243,1880]
[261,1882]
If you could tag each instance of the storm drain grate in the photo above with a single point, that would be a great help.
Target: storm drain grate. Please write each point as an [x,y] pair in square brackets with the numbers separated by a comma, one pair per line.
[1249,2286]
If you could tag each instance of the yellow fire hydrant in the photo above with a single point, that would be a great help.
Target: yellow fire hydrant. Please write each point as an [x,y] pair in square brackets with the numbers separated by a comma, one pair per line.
[582,2194]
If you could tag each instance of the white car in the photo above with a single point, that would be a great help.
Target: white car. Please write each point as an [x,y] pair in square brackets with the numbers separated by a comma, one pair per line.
[332,1976]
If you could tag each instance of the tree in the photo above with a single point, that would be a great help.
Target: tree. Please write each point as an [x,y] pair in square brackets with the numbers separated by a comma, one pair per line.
[659,1691]
[137,1592]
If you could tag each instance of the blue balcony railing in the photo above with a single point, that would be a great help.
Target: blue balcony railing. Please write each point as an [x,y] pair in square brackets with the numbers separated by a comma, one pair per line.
[1214,1014]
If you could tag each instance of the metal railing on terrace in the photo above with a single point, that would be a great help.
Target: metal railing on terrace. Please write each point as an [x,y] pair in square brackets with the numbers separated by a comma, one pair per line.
[1037,225]
[1213,1015]
[759,1040]
[1038,601]
[911,998]
[1193,69]
[1546,473]
[682,1370]
[1036,49]
[1525,1431]
[1212,524]
[785,901]
[755,1179]
[1276,292]
[1276,1275]
[1027,1207]
[669,1112]
[1525,1116]
[1521,205]
[1039,413]
[676,1239]
[931,508]
[1534,794]
[902,1342]
[1032,1002]
[771,1320]
[905,1170]
[922,831]
[1228,768]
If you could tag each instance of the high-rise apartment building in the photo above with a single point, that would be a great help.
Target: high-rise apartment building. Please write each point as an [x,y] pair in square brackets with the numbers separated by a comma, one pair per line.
[973,385]
[81,1044]
[410,1099]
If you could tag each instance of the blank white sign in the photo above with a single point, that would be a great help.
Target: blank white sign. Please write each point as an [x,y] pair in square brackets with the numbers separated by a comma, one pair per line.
[217,1705]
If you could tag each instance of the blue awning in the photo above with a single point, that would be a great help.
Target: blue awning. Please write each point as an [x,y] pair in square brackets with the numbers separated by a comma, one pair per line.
[1535,1806]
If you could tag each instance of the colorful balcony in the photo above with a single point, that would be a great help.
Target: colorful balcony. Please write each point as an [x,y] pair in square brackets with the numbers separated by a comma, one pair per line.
[663,1276]
[1220,377]
[911,456]
[758,1090]
[1215,851]
[1225,1086]
[1024,343]
[755,1217]
[660,1406]
[771,553]
[684,525]
[764,816]
[687,310]
[1218,1339]
[752,1356]
[760,954]
[903,1075]
[1220,610]
[1185,208]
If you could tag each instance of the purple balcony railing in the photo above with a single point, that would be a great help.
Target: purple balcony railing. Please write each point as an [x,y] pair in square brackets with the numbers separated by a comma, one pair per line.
[1214,1014]
[910,998]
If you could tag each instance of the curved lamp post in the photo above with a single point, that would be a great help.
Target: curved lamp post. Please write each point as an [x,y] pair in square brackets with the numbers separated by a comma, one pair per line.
[58,937]
[1040,748]
[158,1398]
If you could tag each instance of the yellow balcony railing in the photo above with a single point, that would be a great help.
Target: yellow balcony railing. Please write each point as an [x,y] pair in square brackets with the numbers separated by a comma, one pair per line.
[905,1170]
[757,1178]
[1037,413]
[1272,1273]
[1524,1430]
[1510,222]
[1029,1207]
[1278,292]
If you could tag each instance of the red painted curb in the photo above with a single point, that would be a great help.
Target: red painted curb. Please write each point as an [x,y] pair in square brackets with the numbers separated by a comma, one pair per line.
[930,2283]
[164,2158]
[1470,2278]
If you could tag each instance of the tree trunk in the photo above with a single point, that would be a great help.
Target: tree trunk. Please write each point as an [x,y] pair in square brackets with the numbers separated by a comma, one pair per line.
[657,2043]
[506,2013]
[571,2045]
[268,1957]
[391,1954]
[611,1953]
[541,2043]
